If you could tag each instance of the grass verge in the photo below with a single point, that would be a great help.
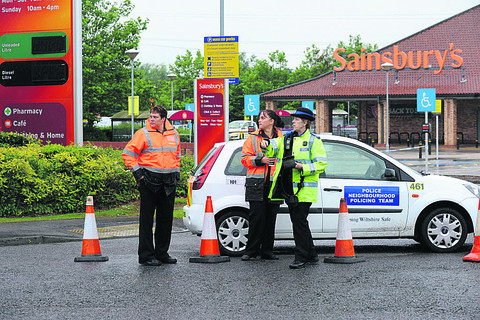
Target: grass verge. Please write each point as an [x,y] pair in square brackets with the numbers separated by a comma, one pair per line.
[131,209]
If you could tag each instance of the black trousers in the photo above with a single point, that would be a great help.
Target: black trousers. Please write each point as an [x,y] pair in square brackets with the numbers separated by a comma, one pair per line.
[304,248]
[261,230]
[161,205]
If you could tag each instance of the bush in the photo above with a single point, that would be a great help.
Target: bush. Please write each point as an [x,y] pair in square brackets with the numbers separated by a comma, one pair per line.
[15,140]
[36,180]
[186,166]
[53,179]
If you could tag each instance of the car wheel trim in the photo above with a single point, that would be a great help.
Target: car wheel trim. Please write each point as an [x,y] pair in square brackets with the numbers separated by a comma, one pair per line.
[444,230]
[233,232]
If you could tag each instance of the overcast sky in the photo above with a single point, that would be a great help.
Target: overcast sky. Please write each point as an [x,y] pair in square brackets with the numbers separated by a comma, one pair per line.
[264,26]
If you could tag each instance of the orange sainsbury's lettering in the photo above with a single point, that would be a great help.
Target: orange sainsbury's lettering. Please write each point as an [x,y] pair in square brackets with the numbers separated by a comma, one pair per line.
[339,59]
[397,54]
[400,59]
[411,64]
[385,59]
[457,59]
[353,65]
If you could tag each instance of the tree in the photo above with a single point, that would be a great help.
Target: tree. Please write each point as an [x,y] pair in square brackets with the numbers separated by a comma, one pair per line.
[107,34]
[316,62]
[154,72]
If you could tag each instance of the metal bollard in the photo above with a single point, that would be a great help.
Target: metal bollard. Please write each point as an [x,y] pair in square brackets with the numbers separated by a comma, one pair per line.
[408,143]
[373,143]
[476,143]
[420,150]
[458,143]
[429,147]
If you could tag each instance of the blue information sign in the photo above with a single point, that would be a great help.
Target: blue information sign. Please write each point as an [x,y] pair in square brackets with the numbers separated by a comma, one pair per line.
[307,104]
[372,196]
[190,107]
[426,100]
[252,105]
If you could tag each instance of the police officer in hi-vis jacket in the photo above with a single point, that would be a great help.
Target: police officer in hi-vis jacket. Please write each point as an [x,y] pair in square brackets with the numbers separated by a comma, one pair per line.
[260,169]
[301,157]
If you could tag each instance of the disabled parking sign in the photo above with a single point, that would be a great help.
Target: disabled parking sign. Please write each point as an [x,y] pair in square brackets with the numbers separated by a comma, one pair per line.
[426,100]
[252,105]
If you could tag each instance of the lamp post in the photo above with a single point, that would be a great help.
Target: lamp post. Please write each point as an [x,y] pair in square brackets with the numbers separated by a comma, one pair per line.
[172,77]
[132,53]
[387,67]
[183,91]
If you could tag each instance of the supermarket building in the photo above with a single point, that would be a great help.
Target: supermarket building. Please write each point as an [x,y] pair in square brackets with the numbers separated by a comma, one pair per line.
[445,56]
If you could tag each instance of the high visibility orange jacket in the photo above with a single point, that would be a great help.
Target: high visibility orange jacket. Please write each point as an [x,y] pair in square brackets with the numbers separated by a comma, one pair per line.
[252,155]
[154,151]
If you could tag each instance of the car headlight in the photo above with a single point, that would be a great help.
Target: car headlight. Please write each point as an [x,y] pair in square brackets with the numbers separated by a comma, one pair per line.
[473,189]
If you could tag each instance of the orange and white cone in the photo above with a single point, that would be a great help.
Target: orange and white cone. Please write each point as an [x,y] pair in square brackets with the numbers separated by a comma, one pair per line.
[209,252]
[344,252]
[91,245]
[474,255]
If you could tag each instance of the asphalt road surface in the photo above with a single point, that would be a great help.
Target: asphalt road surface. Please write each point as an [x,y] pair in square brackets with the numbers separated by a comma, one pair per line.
[399,280]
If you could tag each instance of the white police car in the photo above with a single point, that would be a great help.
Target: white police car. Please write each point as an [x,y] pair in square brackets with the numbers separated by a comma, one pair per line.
[385,199]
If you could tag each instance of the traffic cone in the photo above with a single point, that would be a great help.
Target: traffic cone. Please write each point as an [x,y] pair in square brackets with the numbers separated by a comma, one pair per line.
[209,252]
[91,245]
[344,252]
[474,256]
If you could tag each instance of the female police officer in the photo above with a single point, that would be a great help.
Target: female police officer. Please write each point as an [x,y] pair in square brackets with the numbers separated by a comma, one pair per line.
[301,157]
[263,212]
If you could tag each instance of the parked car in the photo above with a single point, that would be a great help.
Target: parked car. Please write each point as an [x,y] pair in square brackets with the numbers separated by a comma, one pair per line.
[239,129]
[385,199]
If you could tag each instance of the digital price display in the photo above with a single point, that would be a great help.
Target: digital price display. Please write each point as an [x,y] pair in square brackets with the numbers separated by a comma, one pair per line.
[33,73]
[36,69]
[49,44]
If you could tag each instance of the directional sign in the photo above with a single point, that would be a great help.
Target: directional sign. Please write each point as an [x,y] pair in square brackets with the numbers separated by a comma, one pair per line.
[438,107]
[426,100]
[252,105]
[221,58]
[190,106]
[307,104]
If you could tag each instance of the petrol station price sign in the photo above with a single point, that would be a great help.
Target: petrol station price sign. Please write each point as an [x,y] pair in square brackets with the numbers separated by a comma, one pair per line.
[36,69]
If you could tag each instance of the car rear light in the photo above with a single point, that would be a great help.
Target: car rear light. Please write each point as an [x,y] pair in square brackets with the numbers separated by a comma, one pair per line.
[200,179]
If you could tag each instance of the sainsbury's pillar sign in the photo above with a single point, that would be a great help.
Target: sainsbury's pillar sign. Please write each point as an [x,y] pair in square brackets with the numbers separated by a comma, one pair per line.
[412,59]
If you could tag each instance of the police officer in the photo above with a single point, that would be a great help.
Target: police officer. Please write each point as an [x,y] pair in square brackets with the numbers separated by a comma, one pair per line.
[260,169]
[301,157]
[153,156]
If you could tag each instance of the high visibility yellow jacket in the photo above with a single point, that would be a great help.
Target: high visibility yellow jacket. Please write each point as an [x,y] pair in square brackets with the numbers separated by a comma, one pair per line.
[252,155]
[308,150]
[153,150]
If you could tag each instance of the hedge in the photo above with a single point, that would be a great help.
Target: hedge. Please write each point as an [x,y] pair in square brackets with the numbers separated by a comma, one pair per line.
[40,179]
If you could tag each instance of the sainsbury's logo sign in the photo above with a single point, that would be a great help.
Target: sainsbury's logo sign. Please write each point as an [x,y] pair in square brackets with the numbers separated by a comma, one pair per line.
[211,86]
[399,59]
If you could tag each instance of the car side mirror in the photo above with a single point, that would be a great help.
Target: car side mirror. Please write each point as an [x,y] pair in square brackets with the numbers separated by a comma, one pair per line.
[390,174]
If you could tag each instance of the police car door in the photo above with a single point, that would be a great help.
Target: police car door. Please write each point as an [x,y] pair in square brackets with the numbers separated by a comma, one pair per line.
[375,202]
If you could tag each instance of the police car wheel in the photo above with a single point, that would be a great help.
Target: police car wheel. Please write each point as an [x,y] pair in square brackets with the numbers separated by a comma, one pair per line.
[444,230]
[232,233]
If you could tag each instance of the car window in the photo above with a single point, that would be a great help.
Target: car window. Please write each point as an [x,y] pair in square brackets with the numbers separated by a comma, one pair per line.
[347,161]
[235,166]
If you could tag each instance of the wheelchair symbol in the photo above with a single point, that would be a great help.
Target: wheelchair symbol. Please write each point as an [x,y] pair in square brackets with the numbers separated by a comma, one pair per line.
[425,102]
[251,105]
